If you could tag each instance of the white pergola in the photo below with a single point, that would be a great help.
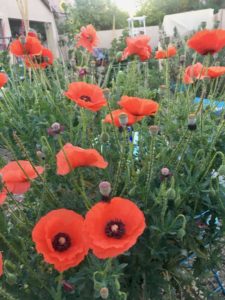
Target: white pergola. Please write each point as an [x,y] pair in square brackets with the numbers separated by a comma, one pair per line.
[141,29]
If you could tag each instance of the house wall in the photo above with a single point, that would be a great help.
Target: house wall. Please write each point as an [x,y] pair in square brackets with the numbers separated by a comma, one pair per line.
[106,36]
[38,11]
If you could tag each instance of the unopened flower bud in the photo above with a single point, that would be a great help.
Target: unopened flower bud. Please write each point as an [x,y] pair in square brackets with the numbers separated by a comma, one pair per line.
[182,59]
[68,287]
[105,188]
[192,122]
[165,171]
[104,137]
[154,129]
[221,170]
[104,293]
[106,92]
[123,119]
[171,194]
[40,155]
[119,55]
[23,39]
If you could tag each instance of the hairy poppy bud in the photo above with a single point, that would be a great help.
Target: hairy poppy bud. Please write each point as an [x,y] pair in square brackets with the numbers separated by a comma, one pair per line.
[40,155]
[192,122]
[105,190]
[106,92]
[104,137]
[23,39]
[171,194]
[104,293]
[123,119]
[165,171]
[154,129]
[221,170]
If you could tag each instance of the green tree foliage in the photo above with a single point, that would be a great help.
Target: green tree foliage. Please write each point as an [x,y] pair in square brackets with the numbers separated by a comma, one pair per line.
[100,13]
[155,10]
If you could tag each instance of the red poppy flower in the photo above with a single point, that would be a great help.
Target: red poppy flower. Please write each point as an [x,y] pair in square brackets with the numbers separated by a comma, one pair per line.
[113,228]
[1,264]
[86,95]
[3,79]
[59,237]
[138,106]
[216,71]
[196,71]
[71,157]
[139,46]
[207,41]
[16,177]
[40,61]
[87,38]
[115,117]
[161,54]
[24,46]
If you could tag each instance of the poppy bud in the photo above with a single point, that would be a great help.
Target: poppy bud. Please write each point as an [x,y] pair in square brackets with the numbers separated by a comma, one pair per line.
[23,39]
[104,293]
[123,119]
[93,63]
[171,194]
[221,170]
[105,190]
[68,287]
[165,171]
[11,278]
[154,129]
[106,92]
[104,137]
[119,55]
[40,155]
[182,59]
[192,122]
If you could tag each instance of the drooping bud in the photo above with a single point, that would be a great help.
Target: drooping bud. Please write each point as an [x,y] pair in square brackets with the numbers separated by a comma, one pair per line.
[154,130]
[40,155]
[104,293]
[23,39]
[105,190]
[171,194]
[192,122]
[123,119]
[104,137]
[221,170]
[106,92]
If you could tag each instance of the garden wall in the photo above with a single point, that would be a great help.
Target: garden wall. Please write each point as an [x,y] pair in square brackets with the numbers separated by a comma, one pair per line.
[106,36]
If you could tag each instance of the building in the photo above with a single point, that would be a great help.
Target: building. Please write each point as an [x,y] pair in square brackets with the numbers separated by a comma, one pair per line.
[41,19]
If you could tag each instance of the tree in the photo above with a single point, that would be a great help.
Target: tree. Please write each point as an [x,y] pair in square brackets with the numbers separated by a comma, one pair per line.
[155,10]
[99,13]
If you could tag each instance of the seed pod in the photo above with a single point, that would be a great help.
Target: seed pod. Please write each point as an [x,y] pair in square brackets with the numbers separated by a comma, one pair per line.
[123,119]
[104,293]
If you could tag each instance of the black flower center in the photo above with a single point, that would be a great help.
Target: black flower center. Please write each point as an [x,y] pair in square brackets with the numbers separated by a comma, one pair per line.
[208,51]
[85,98]
[115,229]
[61,242]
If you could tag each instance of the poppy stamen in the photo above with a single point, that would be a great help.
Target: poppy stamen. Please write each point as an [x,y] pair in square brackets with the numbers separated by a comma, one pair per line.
[115,229]
[85,98]
[61,242]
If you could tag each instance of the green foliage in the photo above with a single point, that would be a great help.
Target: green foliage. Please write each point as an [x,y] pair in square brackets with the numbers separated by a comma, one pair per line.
[153,268]
[155,10]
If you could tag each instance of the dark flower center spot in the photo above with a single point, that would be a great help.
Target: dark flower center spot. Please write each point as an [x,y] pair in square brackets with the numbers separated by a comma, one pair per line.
[61,242]
[85,98]
[208,51]
[39,59]
[115,229]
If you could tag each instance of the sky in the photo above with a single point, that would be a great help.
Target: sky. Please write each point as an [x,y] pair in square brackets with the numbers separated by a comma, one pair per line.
[127,5]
